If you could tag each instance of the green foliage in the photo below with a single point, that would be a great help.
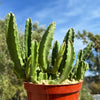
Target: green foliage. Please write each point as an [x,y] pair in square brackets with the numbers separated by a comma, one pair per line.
[37,31]
[94,58]
[94,63]
[88,36]
[93,83]
[95,87]
[85,93]
[37,68]
[12,89]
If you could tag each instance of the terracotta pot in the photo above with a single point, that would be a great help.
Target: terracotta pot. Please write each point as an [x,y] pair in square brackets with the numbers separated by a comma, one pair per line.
[52,92]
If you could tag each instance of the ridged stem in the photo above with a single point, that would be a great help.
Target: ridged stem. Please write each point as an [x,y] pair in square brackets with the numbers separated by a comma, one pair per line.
[45,46]
[70,56]
[14,46]
[34,61]
[28,38]
[55,52]
[59,58]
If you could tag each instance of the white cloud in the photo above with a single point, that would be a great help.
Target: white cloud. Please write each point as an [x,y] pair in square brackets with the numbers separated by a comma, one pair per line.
[77,14]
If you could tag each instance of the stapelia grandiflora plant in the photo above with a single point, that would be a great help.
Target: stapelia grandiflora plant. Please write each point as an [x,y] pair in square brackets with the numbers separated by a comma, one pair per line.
[32,63]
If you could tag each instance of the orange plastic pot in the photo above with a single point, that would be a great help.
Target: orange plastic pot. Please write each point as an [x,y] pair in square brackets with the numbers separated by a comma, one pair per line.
[52,92]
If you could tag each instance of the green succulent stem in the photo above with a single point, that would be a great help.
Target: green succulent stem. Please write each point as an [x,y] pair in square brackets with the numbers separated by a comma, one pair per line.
[31,62]
[55,52]
[45,46]
[68,37]
[80,71]
[70,56]
[28,38]
[87,51]
[59,58]
[34,61]
[79,58]
[14,46]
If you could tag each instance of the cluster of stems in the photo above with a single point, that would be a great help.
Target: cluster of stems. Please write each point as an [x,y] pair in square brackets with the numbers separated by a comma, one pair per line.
[32,63]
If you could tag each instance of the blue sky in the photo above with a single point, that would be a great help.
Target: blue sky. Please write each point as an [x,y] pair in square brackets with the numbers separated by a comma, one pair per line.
[79,14]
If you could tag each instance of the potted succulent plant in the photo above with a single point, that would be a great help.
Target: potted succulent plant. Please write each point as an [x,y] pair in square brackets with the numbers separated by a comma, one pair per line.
[53,79]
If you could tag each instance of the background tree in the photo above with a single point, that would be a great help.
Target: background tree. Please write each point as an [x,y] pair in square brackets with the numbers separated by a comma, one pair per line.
[94,58]
[85,93]
[38,31]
